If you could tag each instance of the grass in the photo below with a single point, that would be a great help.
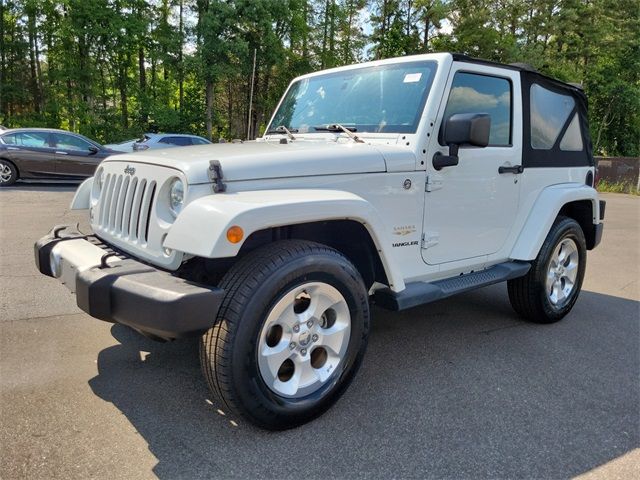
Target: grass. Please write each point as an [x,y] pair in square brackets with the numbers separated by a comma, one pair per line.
[617,187]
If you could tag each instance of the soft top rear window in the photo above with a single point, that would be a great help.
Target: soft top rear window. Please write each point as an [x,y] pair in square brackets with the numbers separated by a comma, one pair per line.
[556,130]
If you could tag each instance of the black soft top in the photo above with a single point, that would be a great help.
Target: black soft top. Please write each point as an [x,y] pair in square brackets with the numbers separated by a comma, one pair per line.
[553,157]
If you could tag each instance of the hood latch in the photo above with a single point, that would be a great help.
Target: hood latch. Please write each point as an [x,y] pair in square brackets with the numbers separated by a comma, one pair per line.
[215,174]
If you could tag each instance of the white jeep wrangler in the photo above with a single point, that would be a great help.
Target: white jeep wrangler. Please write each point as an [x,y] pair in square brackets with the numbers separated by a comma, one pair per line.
[400,182]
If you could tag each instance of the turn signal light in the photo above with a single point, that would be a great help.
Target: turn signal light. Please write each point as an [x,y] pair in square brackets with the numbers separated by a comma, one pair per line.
[235,234]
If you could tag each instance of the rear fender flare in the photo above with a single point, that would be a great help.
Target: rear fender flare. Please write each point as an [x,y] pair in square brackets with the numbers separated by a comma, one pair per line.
[544,212]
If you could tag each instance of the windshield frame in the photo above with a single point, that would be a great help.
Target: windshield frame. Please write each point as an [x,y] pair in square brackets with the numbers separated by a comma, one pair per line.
[410,130]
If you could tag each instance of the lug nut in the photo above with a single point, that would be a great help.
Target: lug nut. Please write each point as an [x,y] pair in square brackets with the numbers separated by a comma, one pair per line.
[303,352]
[296,328]
[314,338]
[310,323]
[292,345]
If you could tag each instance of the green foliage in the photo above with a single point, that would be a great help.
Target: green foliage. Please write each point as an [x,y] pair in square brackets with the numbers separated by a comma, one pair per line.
[617,187]
[113,69]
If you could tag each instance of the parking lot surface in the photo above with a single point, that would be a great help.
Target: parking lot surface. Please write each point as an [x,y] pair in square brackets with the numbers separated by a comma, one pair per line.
[461,388]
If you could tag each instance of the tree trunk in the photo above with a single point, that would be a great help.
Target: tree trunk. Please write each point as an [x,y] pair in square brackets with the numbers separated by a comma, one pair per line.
[180,61]
[325,34]
[144,114]
[3,58]
[347,41]
[332,33]
[35,91]
[71,112]
[383,31]
[305,36]
[427,26]
[209,108]
[122,86]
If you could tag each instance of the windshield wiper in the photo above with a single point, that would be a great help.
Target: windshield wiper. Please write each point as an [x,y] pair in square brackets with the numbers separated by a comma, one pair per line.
[284,131]
[336,127]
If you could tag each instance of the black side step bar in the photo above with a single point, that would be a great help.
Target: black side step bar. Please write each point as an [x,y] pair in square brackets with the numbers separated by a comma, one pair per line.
[419,293]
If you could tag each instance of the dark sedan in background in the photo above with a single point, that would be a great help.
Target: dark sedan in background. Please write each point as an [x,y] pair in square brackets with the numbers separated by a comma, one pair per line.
[45,153]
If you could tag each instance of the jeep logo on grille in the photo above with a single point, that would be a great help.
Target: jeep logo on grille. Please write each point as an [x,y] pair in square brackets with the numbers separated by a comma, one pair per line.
[129,170]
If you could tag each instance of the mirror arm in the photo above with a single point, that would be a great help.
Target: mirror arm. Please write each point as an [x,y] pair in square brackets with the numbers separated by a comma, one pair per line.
[440,161]
[453,150]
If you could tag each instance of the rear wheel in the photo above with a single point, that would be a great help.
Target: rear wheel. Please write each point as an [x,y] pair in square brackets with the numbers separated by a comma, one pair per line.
[290,334]
[8,173]
[550,289]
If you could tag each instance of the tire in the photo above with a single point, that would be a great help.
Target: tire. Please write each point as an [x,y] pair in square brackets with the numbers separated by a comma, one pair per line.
[8,173]
[551,287]
[253,358]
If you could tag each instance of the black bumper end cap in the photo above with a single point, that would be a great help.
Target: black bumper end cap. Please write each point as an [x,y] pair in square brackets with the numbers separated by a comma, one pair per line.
[597,238]
[42,248]
[149,300]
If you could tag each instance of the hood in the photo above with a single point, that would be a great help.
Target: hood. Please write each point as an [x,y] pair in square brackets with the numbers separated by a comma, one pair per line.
[258,160]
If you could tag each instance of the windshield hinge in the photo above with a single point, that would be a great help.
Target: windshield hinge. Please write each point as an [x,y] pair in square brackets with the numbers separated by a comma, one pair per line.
[432,184]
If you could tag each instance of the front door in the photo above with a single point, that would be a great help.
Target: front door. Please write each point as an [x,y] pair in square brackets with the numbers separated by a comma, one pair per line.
[471,207]
[74,157]
[31,152]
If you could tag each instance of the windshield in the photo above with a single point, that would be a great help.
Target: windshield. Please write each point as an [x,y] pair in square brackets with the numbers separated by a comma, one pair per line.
[387,98]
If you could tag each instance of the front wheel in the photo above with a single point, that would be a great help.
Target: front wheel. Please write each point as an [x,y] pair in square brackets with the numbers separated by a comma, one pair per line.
[550,289]
[8,173]
[290,334]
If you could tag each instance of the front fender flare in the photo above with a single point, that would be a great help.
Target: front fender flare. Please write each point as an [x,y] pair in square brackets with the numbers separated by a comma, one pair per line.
[82,198]
[201,227]
[544,212]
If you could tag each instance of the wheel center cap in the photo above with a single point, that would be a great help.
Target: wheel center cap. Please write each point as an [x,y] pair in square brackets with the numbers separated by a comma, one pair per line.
[304,339]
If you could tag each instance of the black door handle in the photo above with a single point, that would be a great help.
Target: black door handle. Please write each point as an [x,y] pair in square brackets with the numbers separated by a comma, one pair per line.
[510,169]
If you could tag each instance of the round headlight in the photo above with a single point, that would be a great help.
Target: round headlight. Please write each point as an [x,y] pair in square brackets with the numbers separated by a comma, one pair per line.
[176,196]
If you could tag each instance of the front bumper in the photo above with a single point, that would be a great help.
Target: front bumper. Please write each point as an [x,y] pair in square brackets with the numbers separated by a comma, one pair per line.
[113,287]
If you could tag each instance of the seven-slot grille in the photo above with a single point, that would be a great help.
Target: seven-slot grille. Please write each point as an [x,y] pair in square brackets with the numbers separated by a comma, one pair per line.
[125,207]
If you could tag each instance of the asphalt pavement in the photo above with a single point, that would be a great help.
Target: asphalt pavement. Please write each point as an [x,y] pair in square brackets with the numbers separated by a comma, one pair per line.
[460,388]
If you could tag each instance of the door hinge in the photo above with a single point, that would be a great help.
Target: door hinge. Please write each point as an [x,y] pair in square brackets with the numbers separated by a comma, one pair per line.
[430,240]
[432,184]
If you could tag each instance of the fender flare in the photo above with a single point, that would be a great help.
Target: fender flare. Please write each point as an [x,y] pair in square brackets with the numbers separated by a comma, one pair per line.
[201,227]
[82,198]
[544,212]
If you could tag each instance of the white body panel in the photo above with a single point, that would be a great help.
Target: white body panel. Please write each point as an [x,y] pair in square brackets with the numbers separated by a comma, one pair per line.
[471,210]
[261,160]
[82,196]
[480,217]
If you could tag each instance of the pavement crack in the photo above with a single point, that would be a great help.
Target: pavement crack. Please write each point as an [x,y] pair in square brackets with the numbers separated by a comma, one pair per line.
[490,331]
[628,284]
[45,317]
[21,276]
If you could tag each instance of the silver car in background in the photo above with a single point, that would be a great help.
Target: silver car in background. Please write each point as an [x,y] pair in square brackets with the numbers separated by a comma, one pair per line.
[159,140]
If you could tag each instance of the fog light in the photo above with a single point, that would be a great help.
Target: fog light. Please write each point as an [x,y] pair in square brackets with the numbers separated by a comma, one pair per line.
[235,234]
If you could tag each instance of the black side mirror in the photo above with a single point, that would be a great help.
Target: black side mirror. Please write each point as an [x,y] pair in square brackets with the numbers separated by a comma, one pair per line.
[462,129]
[93,149]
